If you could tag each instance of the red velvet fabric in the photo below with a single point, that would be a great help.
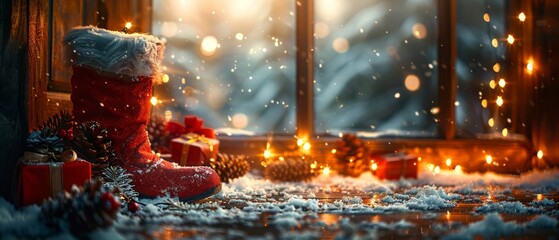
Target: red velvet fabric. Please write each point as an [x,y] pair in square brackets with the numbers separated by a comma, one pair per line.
[122,105]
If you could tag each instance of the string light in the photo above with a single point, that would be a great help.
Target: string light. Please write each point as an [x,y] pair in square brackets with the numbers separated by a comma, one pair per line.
[491,122]
[127,26]
[448,162]
[326,171]
[510,39]
[505,132]
[540,154]
[502,83]
[153,100]
[267,152]
[530,65]
[488,159]
[486,17]
[522,17]
[500,101]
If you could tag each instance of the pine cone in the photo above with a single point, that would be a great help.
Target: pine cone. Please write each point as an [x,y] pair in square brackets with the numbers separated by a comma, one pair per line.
[92,143]
[351,155]
[290,170]
[229,166]
[59,122]
[83,210]
[158,135]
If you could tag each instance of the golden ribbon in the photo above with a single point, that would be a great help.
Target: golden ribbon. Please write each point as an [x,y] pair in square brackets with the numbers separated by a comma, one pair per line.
[193,138]
[56,180]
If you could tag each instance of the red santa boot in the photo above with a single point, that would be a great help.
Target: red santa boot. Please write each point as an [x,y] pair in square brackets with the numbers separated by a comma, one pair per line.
[112,79]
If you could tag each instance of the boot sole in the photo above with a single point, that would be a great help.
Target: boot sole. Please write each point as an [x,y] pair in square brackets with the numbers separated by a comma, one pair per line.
[203,195]
[206,194]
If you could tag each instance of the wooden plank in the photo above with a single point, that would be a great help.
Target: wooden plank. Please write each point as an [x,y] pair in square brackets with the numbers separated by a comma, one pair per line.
[305,68]
[13,70]
[66,14]
[37,60]
[447,67]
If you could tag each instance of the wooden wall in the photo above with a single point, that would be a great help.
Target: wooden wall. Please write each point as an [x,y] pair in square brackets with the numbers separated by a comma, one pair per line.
[13,74]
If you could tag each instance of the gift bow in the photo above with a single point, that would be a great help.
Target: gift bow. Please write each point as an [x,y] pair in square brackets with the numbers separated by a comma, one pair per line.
[193,137]
[44,156]
[192,124]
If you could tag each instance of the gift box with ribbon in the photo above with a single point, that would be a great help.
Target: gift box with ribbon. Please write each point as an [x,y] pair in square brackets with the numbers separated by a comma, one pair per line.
[192,124]
[395,166]
[192,149]
[42,175]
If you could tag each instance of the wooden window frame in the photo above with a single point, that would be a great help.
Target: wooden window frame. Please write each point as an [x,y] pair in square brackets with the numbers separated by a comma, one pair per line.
[43,102]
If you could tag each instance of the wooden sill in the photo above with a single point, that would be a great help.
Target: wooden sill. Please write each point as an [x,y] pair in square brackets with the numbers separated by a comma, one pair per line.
[509,156]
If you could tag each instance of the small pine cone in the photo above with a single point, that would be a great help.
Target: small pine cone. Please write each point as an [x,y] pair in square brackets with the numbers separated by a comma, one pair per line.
[83,210]
[351,155]
[290,170]
[92,143]
[158,135]
[229,166]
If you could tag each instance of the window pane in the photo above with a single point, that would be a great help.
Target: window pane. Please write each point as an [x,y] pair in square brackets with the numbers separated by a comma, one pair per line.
[376,67]
[481,53]
[229,62]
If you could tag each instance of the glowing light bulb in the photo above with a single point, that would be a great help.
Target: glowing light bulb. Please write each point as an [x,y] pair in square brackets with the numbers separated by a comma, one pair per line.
[510,39]
[431,167]
[502,83]
[492,84]
[448,162]
[530,65]
[505,132]
[334,151]
[374,166]
[437,170]
[522,17]
[484,103]
[326,171]
[495,43]
[497,67]
[488,159]
[165,78]
[153,100]
[458,168]
[307,146]
[540,154]
[491,122]
[128,25]
[500,101]
[267,152]
[300,142]
[486,17]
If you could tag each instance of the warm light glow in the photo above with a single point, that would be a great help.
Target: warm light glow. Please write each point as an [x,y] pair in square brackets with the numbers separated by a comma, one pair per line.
[307,146]
[497,67]
[539,196]
[239,36]
[495,43]
[431,167]
[340,45]
[326,171]
[540,154]
[374,166]
[510,39]
[486,17]
[300,142]
[168,115]
[164,78]
[484,103]
[499,101]
[209,46]
[488,159]
[334,151]
[437,170]
[530,65]
[502,83]
[419,31]
[522,17]
[412,82]
[153,100]
[128,25]
[505,132]
[491,122]
[448,162]
[239,120]
[267,152]
[458,168]
[492,84]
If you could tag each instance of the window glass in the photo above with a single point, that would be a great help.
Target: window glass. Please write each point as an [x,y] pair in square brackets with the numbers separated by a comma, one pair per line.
[376,68]
[229,62]
[480,66]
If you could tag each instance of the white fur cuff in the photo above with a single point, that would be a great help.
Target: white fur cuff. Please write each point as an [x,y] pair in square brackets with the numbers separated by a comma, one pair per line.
[115,52]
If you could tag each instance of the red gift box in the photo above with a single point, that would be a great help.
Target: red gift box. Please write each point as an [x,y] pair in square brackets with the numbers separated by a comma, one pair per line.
[193,149]
[192,124]
[396,166]
[38,181]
